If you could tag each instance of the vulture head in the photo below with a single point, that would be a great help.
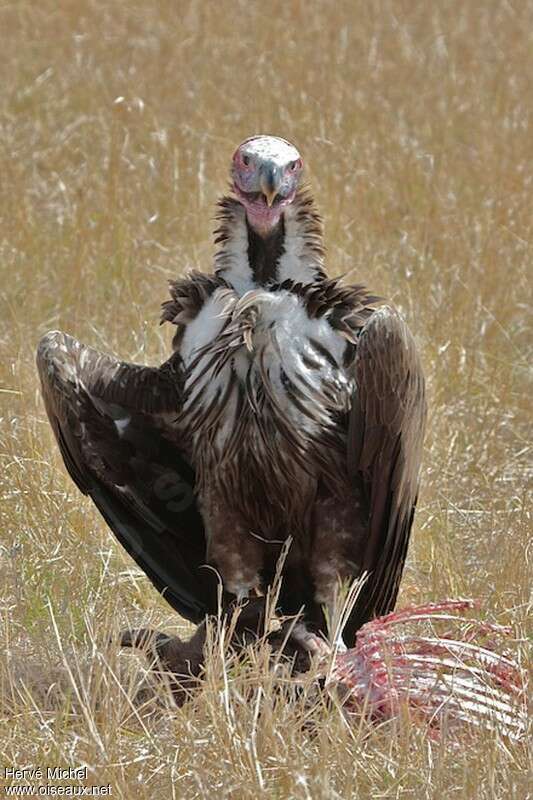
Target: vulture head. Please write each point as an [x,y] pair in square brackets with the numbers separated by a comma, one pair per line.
[265,171]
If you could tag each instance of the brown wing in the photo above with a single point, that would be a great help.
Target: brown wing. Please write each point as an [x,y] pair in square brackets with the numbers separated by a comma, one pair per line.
[385,437]
[112,421]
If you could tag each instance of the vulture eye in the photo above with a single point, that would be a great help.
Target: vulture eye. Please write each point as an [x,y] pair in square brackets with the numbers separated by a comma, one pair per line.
[246,160]
[293,165]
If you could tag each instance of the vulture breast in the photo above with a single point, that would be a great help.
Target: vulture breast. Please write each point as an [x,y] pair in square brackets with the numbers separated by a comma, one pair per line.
[265,383]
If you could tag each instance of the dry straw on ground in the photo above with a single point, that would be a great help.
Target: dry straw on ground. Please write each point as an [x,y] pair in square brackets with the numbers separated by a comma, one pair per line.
[117,120]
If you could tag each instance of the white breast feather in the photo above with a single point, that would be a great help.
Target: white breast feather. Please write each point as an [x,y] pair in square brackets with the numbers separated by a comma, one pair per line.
[283,317]
[202,331]
[281,335]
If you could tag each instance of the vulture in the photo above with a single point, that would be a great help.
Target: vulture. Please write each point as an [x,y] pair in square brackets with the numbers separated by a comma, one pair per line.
[288,420]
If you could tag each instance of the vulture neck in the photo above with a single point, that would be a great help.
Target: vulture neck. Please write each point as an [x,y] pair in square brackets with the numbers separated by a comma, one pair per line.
[265,251]
[292,251]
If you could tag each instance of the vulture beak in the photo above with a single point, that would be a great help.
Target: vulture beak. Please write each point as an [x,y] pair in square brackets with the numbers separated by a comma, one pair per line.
[270,183]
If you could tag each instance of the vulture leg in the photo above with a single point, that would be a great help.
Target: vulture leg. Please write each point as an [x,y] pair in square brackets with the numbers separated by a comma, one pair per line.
[232,548]
[336,551]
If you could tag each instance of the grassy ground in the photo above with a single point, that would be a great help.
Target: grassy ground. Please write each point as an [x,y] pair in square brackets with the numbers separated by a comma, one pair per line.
[117,121]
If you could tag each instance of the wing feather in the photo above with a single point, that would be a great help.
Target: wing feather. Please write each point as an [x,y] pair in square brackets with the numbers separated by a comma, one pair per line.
[110,419]
[385,437]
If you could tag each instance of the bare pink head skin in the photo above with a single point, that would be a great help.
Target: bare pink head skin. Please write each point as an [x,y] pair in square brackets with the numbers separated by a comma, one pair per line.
[266,172]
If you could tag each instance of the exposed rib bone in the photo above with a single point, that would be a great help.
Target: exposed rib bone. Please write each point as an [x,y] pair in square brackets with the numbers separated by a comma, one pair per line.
[458,679]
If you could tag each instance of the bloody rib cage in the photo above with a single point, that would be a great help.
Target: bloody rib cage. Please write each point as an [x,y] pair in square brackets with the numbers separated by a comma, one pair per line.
[454,676]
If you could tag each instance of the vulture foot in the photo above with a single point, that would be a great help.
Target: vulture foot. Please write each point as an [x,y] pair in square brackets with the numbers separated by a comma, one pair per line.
[180,663]
[312,643]
[172,660]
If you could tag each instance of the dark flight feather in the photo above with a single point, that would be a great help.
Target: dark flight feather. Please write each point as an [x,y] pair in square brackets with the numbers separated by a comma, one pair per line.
[385,437]
[140,481]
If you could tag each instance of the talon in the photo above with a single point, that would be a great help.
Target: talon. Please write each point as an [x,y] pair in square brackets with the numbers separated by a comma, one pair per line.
[138,638]
[339,645]
[311,642]
[147,640]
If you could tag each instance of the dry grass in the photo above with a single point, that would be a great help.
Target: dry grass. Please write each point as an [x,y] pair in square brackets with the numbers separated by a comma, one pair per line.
[117,121]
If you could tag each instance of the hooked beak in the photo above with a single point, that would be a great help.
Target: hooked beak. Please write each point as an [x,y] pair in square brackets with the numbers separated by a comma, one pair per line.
[270,184]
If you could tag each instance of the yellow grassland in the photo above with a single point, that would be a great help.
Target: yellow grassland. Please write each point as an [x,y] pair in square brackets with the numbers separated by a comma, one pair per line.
[117,122]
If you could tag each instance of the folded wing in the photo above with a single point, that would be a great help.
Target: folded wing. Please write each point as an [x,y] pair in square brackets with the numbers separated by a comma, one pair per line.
[385,436]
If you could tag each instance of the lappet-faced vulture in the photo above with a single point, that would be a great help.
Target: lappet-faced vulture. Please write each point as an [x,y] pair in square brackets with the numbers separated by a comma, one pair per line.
[292,406]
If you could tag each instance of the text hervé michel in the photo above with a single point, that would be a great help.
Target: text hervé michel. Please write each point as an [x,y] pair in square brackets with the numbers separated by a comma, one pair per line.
[46,773]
